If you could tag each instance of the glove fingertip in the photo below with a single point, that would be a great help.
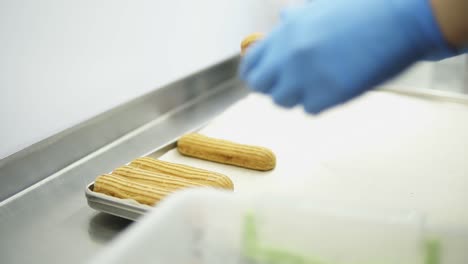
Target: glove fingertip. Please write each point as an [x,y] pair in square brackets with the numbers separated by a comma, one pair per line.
[317,105]
[256,81]
[249,62]
[312,109]
[243,70]
[285,100]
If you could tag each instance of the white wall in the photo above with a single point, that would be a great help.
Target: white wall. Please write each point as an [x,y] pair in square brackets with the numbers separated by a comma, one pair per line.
[62,62]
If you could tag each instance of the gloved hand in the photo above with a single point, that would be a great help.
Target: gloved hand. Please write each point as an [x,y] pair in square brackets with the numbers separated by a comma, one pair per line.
[329,51]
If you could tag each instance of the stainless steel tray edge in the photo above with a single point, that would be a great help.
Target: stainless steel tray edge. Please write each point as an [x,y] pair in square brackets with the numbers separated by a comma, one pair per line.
[114,206]
[103,129]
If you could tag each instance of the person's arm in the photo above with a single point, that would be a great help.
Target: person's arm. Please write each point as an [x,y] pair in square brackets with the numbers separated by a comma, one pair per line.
[453,20]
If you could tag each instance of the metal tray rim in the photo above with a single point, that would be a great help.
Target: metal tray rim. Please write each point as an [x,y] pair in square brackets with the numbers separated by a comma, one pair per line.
[121,207]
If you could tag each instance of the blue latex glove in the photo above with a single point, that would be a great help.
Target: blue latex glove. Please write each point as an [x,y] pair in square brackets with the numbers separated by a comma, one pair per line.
[329,51]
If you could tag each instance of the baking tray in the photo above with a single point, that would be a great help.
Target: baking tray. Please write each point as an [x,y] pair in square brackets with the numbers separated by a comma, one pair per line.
[125,208]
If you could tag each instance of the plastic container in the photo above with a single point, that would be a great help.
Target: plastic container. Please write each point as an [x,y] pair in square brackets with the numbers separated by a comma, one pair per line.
[212,227]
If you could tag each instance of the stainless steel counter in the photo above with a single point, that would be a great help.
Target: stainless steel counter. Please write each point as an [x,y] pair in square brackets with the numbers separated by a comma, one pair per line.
[44,217]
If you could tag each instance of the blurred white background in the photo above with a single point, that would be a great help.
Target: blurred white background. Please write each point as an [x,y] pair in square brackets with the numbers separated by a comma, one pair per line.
[62,62]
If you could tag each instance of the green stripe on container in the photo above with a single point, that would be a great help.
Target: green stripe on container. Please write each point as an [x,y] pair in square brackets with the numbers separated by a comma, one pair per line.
[432,252]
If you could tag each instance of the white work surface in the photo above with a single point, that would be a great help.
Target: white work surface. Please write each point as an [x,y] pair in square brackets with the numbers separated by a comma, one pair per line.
[384,151]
